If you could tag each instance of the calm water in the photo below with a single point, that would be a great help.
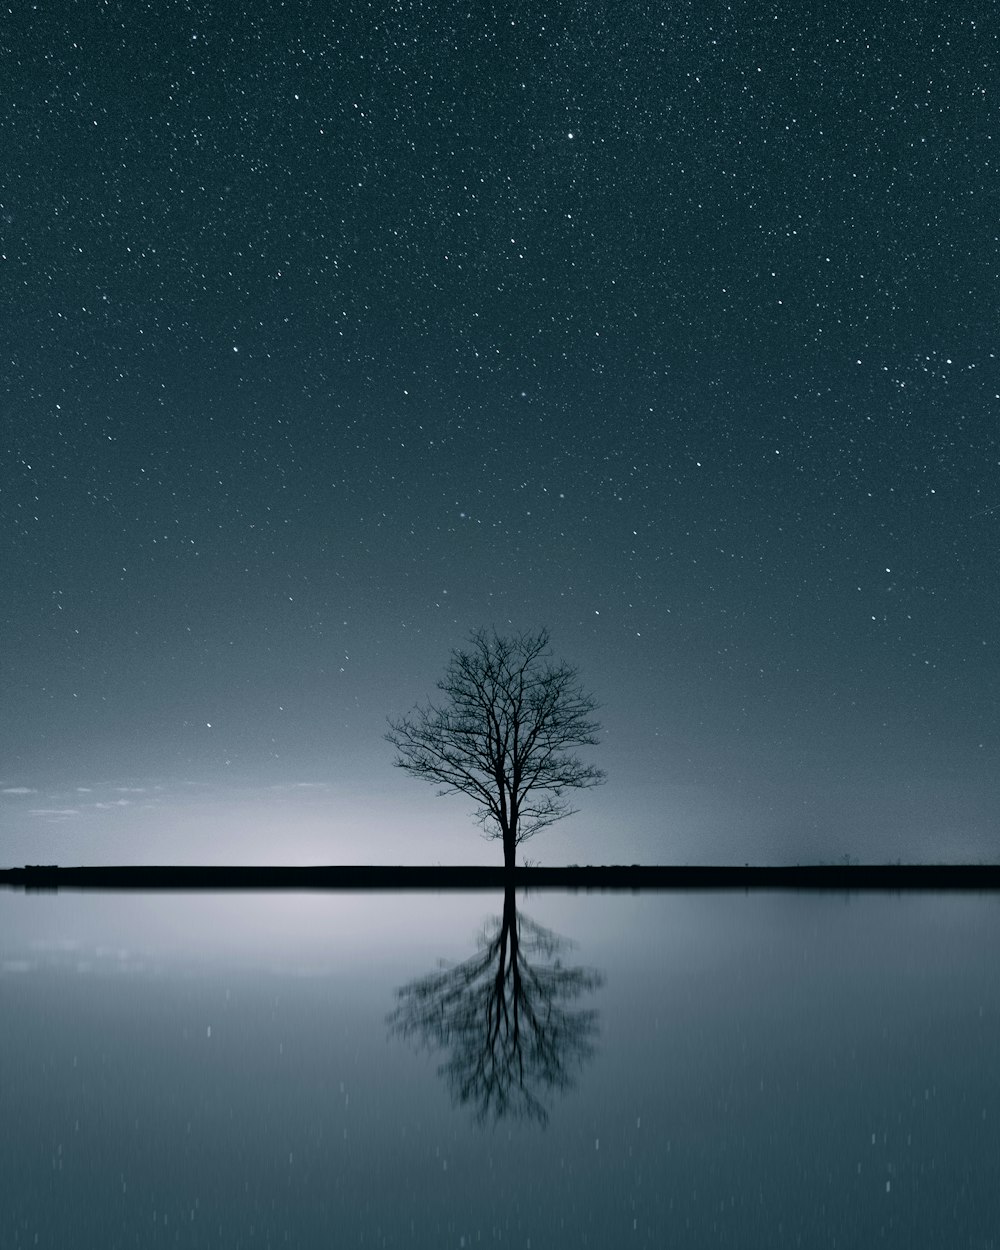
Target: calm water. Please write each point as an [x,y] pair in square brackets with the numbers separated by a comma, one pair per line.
[691,1070]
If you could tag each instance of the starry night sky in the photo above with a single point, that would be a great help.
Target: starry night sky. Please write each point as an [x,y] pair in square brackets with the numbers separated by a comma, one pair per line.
[330,332]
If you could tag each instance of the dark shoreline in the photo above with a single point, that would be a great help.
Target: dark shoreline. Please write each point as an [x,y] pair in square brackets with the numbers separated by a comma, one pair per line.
[837,877]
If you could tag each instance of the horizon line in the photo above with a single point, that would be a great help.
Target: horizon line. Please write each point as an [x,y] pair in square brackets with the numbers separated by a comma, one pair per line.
[849,876]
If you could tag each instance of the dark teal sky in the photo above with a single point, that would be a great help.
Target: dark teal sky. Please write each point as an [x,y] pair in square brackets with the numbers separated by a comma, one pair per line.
[330,333]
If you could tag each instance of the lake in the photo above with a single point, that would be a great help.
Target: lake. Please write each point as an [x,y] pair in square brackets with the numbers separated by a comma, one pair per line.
[465,1069]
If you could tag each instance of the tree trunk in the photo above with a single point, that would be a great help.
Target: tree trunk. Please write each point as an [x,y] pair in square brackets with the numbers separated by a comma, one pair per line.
[510,836]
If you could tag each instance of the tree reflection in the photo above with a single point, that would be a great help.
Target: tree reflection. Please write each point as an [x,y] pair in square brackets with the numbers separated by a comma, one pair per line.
[506,1019]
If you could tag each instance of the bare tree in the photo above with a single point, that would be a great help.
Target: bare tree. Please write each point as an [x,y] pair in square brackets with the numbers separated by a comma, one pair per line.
[503,734]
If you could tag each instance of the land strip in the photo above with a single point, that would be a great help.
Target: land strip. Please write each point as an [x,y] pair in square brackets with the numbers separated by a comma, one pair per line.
[835,877]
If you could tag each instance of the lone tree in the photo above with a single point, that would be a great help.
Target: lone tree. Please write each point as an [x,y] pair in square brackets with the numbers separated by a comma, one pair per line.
[503,734]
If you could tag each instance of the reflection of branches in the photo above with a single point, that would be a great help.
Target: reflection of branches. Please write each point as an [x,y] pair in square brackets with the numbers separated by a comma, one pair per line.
[505,1018]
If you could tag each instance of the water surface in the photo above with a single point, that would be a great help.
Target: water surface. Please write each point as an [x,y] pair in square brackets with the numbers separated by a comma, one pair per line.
[308,1069]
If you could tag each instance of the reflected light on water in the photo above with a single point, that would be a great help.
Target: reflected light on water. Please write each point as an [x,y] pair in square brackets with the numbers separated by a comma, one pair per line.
[301,933]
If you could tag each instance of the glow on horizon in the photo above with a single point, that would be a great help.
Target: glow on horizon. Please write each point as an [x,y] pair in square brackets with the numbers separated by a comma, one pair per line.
[284,825]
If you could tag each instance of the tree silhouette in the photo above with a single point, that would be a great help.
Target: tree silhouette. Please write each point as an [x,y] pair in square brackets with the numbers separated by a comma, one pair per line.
[503,735]
[505,1018]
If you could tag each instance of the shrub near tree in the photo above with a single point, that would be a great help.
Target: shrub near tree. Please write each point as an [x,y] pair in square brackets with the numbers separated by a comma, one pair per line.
[504,733]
